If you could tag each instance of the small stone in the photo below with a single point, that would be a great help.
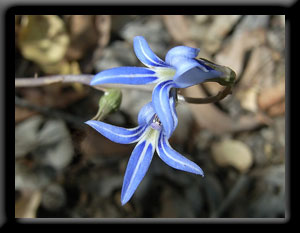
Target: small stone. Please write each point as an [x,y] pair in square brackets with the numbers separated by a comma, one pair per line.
[109,184]
[154,32]
[26,135]
[251,22]
[55,145]
[201,18]
[248,99]
[119,53]
[54,197]
[232,153]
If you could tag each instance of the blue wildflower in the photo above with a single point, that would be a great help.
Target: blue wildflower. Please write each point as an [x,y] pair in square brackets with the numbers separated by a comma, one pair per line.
[151,136]
[180,69]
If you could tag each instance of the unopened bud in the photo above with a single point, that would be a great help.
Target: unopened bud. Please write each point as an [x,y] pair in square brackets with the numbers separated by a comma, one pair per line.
[109,103]
[228,75]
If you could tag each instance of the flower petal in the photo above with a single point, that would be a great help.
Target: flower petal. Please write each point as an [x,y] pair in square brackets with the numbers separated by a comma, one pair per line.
[181,51]
[118,134]
[138,164]
[163,107]
[125,75]
[189,71]
[146,114]
[145,54]
[174,159]
[173,109]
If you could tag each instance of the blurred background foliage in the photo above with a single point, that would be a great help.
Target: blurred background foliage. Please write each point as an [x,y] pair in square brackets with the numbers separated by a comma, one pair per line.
[65,169]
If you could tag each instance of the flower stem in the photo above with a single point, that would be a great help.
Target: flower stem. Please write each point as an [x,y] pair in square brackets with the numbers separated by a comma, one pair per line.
[86,78]
[81,78]
[211,99]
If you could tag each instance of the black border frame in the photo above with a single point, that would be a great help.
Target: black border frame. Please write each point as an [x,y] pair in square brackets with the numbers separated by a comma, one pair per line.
[8,160]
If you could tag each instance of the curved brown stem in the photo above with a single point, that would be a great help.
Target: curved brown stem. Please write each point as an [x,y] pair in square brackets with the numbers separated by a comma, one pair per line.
[211,99]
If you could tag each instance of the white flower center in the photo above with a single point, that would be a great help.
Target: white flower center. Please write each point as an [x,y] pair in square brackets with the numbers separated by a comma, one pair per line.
[164,73]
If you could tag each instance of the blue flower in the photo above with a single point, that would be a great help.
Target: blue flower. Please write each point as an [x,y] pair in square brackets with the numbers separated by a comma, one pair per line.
[150,136]
[180,69]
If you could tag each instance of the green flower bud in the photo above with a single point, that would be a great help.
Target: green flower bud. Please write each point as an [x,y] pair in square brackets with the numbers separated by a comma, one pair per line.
[109,103]
[228,77]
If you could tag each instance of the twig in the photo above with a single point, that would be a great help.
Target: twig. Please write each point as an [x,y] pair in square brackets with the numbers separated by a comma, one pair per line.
[82,78]
[238,186]
[86,78]
[41,81]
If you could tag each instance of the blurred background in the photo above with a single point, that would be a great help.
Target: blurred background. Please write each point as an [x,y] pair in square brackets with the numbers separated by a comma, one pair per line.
[65,169]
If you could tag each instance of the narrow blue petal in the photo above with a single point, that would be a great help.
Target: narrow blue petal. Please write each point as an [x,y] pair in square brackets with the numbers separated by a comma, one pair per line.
[145,54]
[173,108]
[146,114]
[174,159]
[189,71]
[118,134]
[125,75]
[164,109]
[182,51]
[137,167]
